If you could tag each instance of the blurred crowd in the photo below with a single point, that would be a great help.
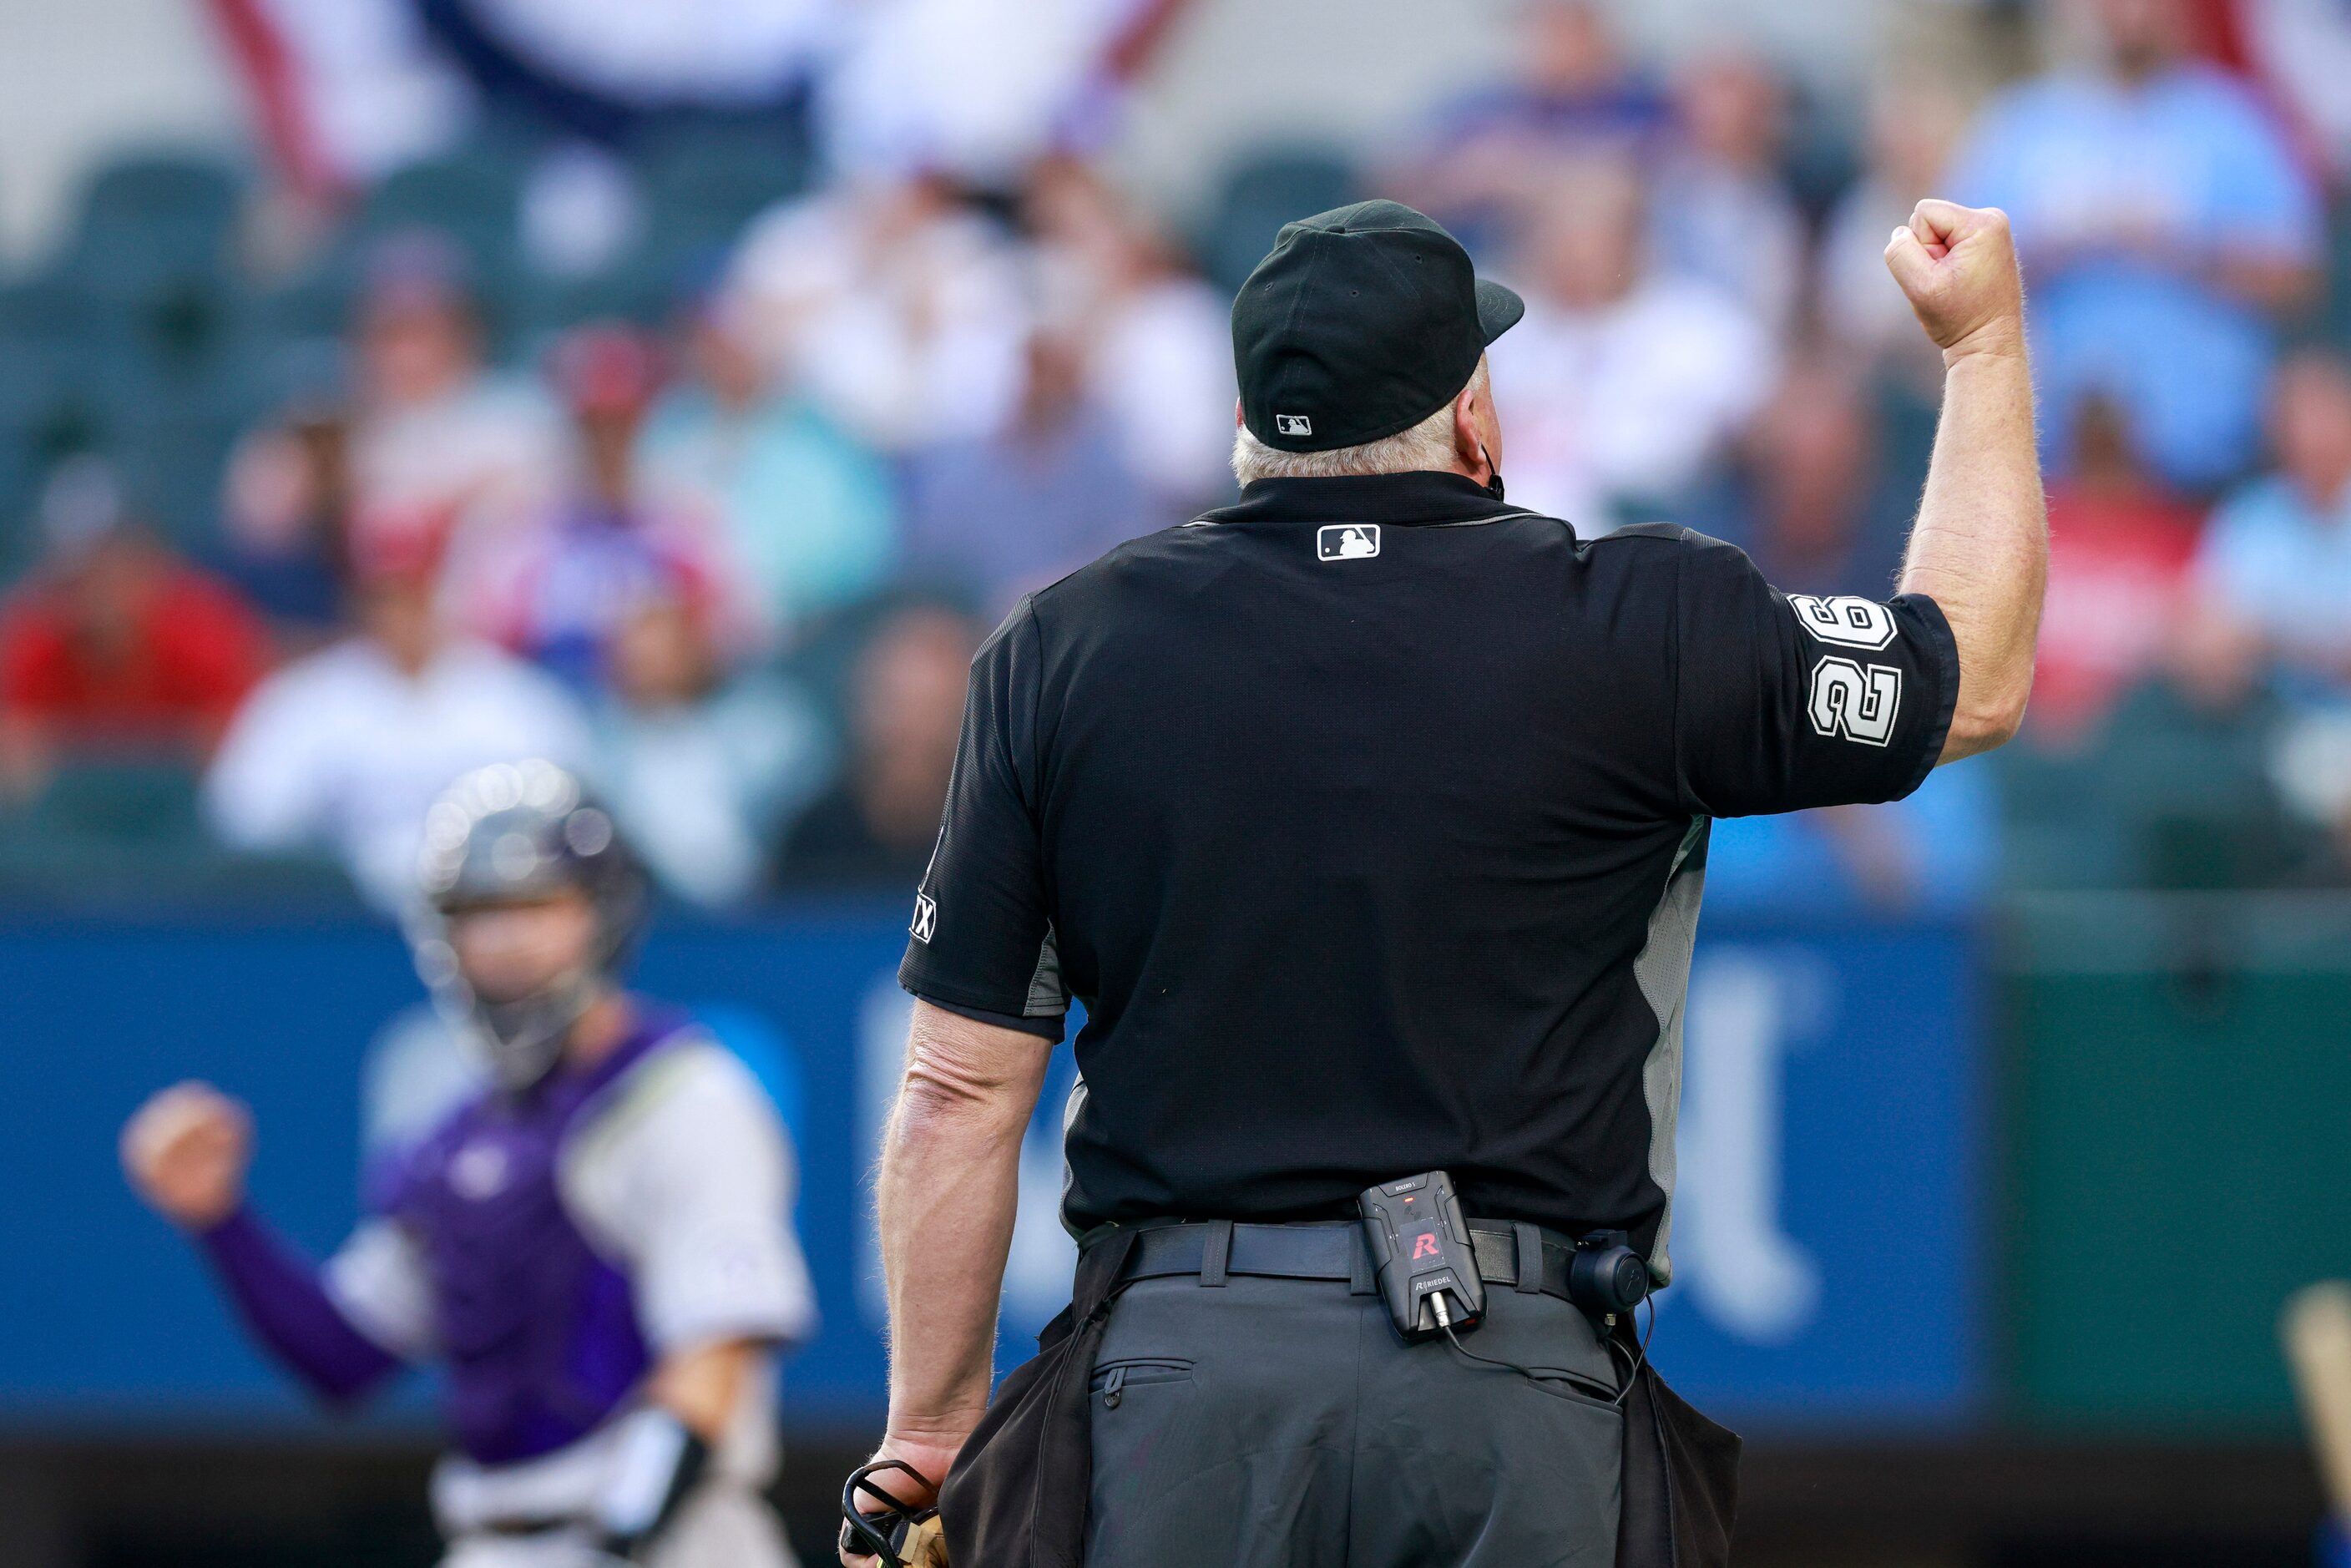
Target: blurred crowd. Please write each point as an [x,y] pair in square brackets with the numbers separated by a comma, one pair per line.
[730,550]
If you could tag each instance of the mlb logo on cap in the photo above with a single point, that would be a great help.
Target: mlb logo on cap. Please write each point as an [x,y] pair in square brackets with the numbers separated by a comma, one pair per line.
[1293,424]
[1347,541]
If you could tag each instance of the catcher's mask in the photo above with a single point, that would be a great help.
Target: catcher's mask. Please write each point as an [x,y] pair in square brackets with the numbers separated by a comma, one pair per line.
[514,833]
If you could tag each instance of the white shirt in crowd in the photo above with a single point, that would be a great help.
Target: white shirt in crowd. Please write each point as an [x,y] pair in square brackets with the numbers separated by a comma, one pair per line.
[905,329]
[978,88]
[489,452]
[1628,400]
[343,752]
[1163,370]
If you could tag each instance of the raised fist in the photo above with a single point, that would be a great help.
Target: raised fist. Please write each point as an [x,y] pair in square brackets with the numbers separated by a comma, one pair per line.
[186,1151]
[1957,265]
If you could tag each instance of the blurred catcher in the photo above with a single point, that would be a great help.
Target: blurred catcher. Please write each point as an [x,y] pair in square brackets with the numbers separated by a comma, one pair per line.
[596,1246]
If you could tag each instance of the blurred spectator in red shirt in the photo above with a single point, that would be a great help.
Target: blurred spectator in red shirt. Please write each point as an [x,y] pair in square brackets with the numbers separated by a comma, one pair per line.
[876,827]
[115,643]
[557,589]
[2119,548]
[1723,209]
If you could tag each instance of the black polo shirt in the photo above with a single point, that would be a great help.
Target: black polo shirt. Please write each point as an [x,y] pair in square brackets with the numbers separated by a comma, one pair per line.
[1368,818]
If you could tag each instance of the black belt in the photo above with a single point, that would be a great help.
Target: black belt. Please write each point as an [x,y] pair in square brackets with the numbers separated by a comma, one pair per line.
[1526,1257]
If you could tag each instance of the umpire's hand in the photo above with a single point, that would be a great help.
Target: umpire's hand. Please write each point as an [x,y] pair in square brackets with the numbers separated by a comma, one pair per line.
[185,1152]
[1957,265]
[932,1458]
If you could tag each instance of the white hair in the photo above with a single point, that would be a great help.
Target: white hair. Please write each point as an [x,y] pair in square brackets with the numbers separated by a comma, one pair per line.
[1425,445]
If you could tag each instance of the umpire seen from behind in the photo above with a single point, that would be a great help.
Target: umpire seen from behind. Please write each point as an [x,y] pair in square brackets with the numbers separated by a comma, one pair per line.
[1367,818]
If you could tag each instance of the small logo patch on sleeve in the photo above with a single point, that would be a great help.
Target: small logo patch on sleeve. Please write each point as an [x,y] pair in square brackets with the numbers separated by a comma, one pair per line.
[1347,541]
[926,918]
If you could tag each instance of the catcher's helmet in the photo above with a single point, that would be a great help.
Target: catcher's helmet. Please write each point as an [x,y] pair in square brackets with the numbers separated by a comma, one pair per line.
[515,832]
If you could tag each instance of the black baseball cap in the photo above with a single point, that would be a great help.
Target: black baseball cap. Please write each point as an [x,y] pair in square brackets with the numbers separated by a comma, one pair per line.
[1361,323]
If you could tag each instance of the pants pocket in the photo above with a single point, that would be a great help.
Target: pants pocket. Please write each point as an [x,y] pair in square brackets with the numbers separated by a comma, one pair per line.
[1575,1388]
[1111,1379]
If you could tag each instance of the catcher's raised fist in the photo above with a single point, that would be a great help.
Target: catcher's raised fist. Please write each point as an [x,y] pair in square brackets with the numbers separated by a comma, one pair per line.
[187,1151]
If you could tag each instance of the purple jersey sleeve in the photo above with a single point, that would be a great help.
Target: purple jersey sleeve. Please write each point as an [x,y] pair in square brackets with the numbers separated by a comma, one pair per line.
[278,1293]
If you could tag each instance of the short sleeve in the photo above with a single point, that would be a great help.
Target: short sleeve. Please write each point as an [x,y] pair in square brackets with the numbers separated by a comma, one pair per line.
[1789,700]
[688,1177]
[982,936]
[376,1281]
[269,783]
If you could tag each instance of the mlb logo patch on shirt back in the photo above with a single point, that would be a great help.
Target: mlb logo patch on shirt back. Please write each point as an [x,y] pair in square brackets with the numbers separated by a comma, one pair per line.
[1347,541]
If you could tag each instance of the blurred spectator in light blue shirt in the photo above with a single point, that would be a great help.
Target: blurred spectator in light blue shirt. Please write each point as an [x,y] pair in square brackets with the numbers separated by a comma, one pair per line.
[2164,220]
[703,771]
[804,506]
[2277,554]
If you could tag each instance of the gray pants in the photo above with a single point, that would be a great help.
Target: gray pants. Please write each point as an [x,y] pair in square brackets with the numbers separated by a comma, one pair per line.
[1283,1424]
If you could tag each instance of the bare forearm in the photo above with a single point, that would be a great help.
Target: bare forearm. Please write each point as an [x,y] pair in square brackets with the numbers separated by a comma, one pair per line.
[948,1188]
[1981,547]
[702,1387]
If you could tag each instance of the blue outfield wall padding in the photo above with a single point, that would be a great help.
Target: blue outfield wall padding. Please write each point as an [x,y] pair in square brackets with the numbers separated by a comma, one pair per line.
[1827,1237]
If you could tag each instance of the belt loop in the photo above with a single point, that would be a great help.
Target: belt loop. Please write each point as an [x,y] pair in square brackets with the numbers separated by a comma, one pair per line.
[1359,1264]
[1530,1257]
[1215,1251]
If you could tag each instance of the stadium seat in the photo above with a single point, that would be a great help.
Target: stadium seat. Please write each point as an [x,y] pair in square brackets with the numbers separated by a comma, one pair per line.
[1260,194]
[702,183]
[626,292]
[126,833]
[472,200]
[713,176]
[103,816]
[155,217]
[2053,833]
